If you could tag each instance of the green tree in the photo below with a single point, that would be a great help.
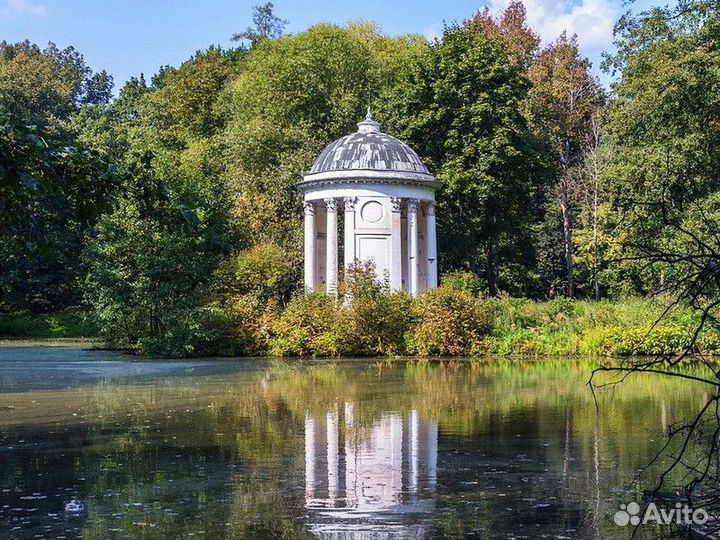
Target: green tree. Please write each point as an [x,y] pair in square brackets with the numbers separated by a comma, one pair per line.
[53,187]
[183,105]
[295,95]
[662,130]
[152,258]
[37,85]
[50,195]
[562,102]
[267,25]
[460,104]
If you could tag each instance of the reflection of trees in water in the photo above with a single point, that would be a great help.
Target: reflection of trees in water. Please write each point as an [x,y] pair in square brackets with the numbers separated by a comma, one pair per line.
[225,455]
[544,407]
[163,462]
[122,485]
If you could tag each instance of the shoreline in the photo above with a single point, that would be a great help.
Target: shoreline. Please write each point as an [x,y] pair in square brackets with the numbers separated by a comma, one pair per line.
[96,344]
[80,342]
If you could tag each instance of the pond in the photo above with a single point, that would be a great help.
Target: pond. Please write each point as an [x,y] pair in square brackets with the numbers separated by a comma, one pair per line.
[97,445]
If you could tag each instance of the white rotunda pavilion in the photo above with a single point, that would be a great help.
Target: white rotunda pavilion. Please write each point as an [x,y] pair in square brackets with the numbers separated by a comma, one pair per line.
[387,200]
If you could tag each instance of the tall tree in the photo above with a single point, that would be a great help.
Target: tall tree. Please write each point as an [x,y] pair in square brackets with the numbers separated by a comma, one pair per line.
[152,255]
[460,105]
[267,26]
[595,244]
[53,187]
[295,95]
[563,99]
[513,28]
[37,85]
[663,131]
[183,106]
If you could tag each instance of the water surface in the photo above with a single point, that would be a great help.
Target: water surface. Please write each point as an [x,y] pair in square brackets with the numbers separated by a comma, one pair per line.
[97,445]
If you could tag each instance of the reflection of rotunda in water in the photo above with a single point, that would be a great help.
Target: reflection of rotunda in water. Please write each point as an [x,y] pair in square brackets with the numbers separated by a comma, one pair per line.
[374,481]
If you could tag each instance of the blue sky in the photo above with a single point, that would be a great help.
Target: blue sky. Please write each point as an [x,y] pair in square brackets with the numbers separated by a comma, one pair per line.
[133,36]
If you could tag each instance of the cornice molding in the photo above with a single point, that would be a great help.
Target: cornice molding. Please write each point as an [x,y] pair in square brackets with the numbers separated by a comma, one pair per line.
[309,183]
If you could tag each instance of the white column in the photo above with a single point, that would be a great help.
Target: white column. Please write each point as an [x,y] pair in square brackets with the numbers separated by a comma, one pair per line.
[310,241]
[396,244]
[349,240]
[412,227]
[331,261]
[431,247]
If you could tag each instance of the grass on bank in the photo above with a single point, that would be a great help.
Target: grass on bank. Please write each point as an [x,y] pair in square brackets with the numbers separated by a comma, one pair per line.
[60,325]
[592,328]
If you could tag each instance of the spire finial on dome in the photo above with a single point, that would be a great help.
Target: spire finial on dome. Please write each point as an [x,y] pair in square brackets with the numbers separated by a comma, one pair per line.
[369,125]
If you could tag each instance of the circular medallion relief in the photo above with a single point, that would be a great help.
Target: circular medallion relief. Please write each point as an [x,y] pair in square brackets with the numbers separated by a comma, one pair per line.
[372,212]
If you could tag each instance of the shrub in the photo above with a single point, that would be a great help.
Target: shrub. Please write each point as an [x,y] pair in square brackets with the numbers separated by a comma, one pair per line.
[264,271]
[366,320]
[149,270]
[561,307]
[463,281]
[372,320]
[211,330]
[531,342]
[449,322]
[511,314]
[304,328]
[374,325]
[254,319]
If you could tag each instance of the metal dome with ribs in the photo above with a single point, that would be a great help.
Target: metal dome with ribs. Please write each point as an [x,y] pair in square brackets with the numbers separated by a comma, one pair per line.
[369,149]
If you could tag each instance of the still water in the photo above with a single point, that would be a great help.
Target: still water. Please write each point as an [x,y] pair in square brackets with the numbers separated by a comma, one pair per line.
[95,445]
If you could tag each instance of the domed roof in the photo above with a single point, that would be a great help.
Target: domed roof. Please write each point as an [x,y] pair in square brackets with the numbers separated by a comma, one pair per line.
[369,154]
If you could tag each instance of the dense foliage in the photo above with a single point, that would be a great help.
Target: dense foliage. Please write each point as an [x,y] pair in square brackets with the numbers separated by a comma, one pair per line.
[452,321]
[459,104]
[169,213]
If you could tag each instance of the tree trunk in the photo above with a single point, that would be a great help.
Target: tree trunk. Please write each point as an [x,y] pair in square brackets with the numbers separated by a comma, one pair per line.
[592,168]
[492,271]
[596,284]
[567,235]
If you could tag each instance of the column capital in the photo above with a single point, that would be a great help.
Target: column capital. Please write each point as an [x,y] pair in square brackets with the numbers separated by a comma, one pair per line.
[349,203]
[396,203]
[430,208]
[309,207]
[413,204]
[331,205]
